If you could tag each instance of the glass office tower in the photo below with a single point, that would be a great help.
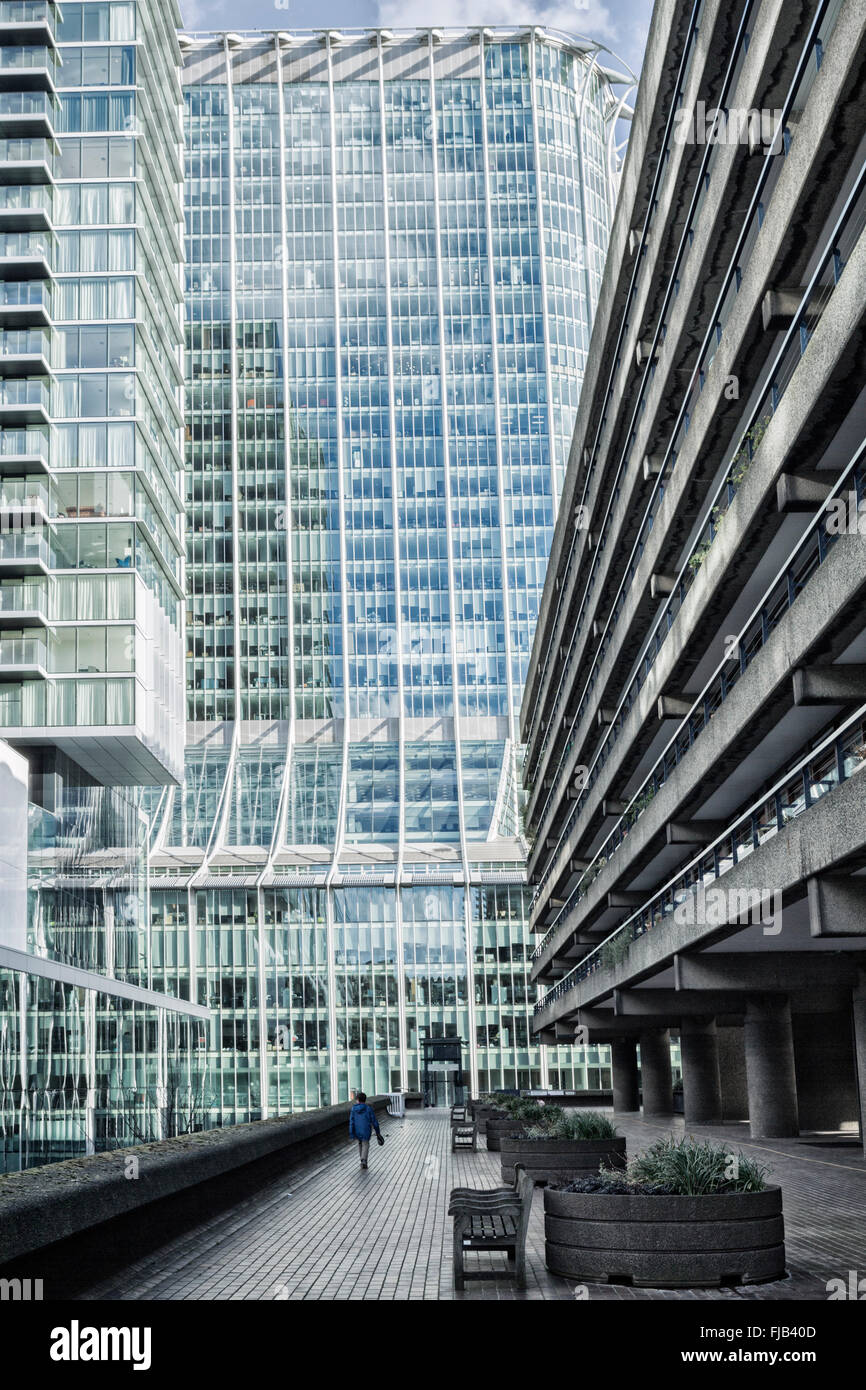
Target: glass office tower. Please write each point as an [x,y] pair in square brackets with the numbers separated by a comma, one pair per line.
[395,243]
[91,572]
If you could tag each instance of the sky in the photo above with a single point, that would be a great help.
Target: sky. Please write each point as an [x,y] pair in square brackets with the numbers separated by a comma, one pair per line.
[621,24]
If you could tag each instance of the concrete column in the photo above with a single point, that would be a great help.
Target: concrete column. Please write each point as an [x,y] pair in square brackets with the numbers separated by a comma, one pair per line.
[702,1091]
[655,1072]
[858,1000]
[623,1056]
[770,1076]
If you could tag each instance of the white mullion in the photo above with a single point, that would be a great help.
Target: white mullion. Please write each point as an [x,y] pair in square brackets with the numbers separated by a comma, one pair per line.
[264,1059]
[233,327]
[280,819]
[344,767]
[455,690]
[582,186]
[497,411]
[545,293]
[398,595]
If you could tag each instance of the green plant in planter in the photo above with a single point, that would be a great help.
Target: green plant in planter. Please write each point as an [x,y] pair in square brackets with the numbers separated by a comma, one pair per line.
[697,559]
[690,1168]
[614,951]
[638,806]
[574,1124]
[497,1100]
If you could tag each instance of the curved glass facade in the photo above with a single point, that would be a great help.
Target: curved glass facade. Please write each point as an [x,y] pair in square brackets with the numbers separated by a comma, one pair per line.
[395,245]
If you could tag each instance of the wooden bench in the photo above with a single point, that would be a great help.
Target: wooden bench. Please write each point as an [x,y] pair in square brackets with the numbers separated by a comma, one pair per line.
[464,1136]
[495,1219]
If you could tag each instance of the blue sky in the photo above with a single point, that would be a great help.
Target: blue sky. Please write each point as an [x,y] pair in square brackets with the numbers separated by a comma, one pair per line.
[621,24]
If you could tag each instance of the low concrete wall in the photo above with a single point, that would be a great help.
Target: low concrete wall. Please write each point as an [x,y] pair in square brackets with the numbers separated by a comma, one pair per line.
[48,1204]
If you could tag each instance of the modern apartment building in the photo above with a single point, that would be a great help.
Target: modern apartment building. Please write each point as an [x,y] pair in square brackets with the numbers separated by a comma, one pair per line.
[91,571]
[395,244]
[695,707]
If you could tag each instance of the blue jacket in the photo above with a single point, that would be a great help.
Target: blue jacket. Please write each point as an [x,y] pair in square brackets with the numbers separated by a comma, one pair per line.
[362,1122]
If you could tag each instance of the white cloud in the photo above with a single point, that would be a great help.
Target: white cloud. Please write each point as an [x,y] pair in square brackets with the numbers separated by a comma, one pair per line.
[592,18]
[202,14]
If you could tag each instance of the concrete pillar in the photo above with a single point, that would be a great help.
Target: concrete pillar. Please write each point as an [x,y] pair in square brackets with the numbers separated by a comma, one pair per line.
[770,1076]
[859,1003]
[655,1072]
[702,1091]
[623,1056]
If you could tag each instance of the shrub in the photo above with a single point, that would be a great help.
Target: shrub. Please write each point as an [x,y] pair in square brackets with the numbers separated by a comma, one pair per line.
[614,950]
[610,1183]
[574,1124]
[690,1168]
[498,1100]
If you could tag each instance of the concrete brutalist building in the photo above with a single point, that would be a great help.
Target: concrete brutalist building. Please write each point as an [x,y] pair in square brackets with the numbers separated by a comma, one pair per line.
[695,706]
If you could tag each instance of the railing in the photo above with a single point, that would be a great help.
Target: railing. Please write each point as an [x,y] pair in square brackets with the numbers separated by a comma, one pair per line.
[33,443]
[803,77]
[840,756]
[27,12]
[25,342]
[27,391]
[27,58]
[25,150]
[25,197]
[816,296]
[15,245]
[23,651]
[808,555]
[24,598]
[25,294]
[43,104]
[29,546]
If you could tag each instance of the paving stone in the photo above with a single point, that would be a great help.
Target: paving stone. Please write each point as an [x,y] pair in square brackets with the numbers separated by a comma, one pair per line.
[344,1234]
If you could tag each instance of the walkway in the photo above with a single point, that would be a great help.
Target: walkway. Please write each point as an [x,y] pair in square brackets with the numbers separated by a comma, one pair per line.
[327,1230]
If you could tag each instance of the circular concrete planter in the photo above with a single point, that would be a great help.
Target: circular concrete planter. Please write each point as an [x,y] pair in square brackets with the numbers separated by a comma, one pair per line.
[665,1242]
[499,1125]
[558,1160]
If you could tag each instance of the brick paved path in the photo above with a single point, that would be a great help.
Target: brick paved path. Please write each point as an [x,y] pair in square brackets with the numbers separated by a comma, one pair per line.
[327,1230]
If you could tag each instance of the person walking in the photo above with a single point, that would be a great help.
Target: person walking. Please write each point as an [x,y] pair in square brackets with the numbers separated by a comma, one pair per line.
[362,1122]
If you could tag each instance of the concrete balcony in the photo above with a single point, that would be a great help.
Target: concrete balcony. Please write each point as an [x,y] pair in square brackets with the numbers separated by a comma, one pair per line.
[23,605]
[25,402]
[27,161]
[28,22]
[25,208]
[23,659]
[24,452]
[26,553]
[747,727]
[25,303]
[25,353]
[813,846]
[29,68]
[29,114]
[601,563]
